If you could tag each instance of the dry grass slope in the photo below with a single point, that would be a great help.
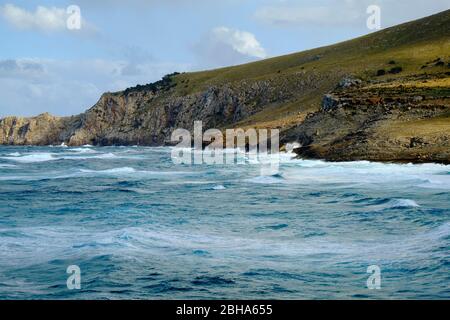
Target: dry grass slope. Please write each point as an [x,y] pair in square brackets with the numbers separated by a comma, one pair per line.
[411,46]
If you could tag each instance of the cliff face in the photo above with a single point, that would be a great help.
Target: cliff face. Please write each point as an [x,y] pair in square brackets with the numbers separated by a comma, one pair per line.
[385,96]
[41,130]
[402,120]
[148,117]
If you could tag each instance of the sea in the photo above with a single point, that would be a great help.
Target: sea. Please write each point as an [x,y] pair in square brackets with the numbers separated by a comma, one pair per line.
[129,223]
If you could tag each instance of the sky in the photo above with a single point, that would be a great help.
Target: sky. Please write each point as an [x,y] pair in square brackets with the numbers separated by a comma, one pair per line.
[47,64]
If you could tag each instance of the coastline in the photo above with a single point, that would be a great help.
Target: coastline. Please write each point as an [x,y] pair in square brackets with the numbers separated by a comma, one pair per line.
[300,154]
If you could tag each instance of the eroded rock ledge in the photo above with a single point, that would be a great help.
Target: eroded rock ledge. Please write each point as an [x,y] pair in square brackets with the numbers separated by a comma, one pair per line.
[402,120]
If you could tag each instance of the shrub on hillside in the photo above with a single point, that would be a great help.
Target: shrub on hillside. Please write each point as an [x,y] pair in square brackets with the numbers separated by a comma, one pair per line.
[164,84]
[396,70]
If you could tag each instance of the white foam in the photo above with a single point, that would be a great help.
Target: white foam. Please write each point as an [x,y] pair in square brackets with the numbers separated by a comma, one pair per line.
[436,182]
[401,203]
[105,156]
[266,179]
[110,171]
[141,190]
[31,158]
[82,150]
[150,240]
[219,187]
[364,173]
[14,154]
[129,170]
[442,231]
[87,157]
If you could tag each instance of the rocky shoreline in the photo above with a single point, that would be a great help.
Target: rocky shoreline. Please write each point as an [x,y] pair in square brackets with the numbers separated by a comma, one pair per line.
[363,99]
[358,122]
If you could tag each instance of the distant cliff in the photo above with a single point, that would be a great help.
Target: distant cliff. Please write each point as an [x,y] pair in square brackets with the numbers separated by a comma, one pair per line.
[384,96]
[138,116]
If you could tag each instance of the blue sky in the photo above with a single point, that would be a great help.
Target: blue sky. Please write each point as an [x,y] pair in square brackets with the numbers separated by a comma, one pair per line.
[46,67]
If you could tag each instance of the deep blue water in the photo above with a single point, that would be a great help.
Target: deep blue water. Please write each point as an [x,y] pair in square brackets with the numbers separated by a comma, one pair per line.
[141,227]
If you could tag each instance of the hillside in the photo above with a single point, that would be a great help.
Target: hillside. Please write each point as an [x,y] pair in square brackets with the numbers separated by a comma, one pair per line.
[398,95]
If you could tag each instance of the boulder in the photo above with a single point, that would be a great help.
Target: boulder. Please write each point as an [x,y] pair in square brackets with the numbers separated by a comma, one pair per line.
[329,102]
[348,82]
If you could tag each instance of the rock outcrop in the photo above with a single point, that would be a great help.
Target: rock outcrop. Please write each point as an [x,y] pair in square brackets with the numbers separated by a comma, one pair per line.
[146,115]
[407,120]
[41,130]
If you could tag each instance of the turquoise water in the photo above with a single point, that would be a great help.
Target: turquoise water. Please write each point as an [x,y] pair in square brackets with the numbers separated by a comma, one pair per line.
[141,227]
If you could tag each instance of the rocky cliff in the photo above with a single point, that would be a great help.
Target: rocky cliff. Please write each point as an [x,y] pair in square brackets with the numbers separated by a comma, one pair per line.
[140,116]
[384,96]
[407,120]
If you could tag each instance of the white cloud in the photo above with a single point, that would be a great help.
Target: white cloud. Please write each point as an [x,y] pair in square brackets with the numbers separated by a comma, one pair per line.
[241,41]
[224,46]
[44,19]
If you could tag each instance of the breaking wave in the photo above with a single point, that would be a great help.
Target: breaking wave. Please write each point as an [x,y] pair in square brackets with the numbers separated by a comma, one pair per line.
[110,171]
[31,158]
[401,203]
[272,179]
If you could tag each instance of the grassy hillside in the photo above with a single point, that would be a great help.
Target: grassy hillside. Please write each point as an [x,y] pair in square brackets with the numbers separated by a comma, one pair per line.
[411,46]
[413,43]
